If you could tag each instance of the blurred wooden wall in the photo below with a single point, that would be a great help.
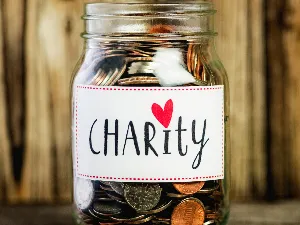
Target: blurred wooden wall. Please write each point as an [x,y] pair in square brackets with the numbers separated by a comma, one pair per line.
[259,43]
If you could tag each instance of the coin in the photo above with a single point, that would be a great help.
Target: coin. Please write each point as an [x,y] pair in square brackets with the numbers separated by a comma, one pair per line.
[126,218]
[98,217]
[161,221]
[145,220]
[109,70]
[100,193]
[199,66]
[209,190]
[138,80]
[107,183]
[200,83]
[84,193]
[115,196]
[118,187]
[158,209]
[142,196]
[188,212]
[107,208]
[188,188]
[139,52]
[175,195]
[189,57]
[105,187]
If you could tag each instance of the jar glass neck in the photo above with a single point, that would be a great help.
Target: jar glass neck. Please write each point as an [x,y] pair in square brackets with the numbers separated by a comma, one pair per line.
[161,20]
[206,42]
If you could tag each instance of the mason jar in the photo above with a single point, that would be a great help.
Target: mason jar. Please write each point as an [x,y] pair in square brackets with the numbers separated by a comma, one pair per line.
[150,130]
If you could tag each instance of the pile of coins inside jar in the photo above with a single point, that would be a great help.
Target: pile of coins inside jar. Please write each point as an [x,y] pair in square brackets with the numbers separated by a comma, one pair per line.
[145,64]
[103,202]
[139,64]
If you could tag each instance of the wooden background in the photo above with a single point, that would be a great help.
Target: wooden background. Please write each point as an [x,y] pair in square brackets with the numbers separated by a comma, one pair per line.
[259,43]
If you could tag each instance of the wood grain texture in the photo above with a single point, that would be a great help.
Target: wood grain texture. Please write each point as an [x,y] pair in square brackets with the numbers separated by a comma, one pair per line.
[235,36]
[291,45]
[13,52]
[7,184]
[53,30]
[38,177]
[279,147]
[258,105]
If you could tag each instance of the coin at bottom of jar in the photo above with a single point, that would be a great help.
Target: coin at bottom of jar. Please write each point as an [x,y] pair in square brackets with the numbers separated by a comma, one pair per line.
[84,193]
[145,220]
[161,221]
[116,197]
[118,187]
[107,208]
[160,207]
[142,196]
[126,218]
[175,195]
[190,211]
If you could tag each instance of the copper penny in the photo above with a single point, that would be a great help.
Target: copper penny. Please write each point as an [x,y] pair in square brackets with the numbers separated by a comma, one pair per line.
[189,57]
[189,188]
[189,212]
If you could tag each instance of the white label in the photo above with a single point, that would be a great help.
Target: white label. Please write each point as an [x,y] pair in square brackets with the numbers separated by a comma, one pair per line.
[150,134]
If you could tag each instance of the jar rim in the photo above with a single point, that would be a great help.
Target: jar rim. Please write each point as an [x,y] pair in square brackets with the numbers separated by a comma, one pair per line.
[196,8]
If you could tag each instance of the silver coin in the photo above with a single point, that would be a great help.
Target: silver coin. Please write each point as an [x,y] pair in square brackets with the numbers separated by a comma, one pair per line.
[105,182]
[105,187]
[84,193]
[116,197]
[142,196]
[159,208]
[107,208]
[98,217]
[118,187]
[108,70]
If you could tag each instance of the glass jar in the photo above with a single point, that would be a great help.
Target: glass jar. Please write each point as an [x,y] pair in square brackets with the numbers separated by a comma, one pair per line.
[150,117]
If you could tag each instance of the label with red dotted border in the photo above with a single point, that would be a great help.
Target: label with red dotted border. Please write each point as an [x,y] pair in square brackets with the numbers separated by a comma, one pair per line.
[148,134]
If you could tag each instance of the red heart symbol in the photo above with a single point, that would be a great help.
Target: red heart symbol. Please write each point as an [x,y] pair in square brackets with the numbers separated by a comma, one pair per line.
[164,116]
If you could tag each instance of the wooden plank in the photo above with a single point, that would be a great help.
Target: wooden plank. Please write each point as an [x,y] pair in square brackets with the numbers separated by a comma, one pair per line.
[7,184]
[232,46]
[291,44]
[14,75]
[38,180]
[257,75]
[63,50]
[53,29]
[278,135]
